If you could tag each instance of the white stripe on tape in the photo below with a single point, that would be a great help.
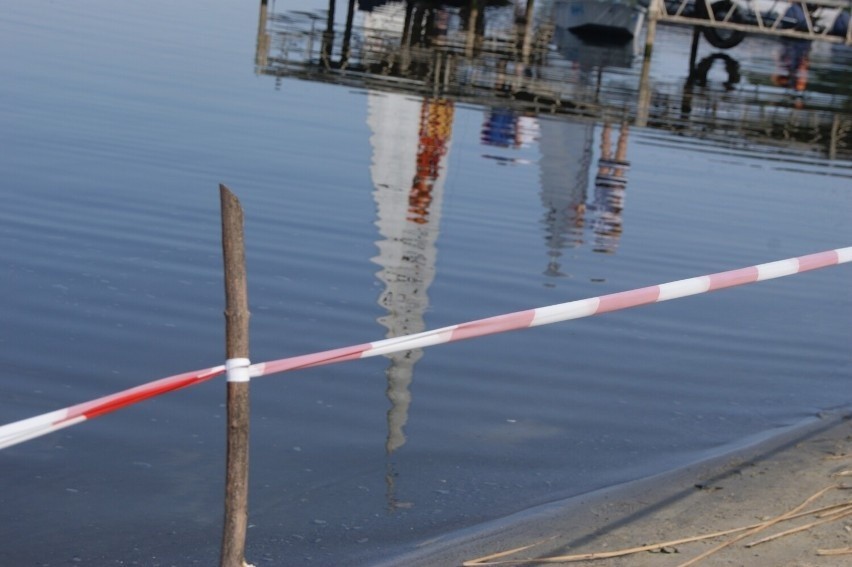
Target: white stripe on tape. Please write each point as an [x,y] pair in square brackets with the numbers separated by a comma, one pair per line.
[777,269]
[237,369]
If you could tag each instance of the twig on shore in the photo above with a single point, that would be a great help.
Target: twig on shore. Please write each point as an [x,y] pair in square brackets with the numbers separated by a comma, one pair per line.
[763,526]
[847,511]
[836,551]
[827,513]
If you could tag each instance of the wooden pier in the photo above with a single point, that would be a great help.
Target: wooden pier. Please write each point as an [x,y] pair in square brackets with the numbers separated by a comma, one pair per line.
[725,23]
[531,67]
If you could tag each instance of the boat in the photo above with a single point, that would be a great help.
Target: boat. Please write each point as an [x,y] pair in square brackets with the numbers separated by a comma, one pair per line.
[601,20]
[589,55]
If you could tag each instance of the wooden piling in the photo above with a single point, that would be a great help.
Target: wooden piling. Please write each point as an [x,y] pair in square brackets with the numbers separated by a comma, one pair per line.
[261,55]
[642,106]
[236,347]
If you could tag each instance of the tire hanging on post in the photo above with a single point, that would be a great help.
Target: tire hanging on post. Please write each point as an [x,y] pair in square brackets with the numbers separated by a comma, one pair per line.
[719,37]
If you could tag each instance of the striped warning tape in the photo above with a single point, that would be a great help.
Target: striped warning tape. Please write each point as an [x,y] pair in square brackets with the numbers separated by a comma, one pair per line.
[563,311]
[26,429]
[19,431]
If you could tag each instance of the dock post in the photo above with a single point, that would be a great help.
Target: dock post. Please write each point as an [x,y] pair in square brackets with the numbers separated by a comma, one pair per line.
[526,31]
[261,56]
[693,51]
[328,37]
[237,352]
[345,50]
[644,88]
[473,18]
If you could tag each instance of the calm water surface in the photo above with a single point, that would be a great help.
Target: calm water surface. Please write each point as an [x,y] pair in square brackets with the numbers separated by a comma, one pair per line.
[372,211]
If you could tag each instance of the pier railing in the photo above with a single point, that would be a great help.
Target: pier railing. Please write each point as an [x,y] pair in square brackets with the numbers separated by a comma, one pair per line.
[814,20]
[555,75]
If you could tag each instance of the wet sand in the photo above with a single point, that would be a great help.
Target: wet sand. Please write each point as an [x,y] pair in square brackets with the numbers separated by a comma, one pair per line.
[755,484]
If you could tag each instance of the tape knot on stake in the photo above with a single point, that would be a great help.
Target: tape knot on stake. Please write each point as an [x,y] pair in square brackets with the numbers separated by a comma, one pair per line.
[237,369]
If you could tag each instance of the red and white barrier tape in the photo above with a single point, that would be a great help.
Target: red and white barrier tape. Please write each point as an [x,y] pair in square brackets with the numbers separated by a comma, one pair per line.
[20,431]
[26,429]
[563,311]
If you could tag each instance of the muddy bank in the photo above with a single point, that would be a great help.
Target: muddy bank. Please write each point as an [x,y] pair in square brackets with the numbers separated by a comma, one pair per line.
[756,482]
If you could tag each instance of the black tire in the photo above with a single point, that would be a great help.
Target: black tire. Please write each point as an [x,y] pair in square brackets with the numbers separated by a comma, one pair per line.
[732,67]
[718,37]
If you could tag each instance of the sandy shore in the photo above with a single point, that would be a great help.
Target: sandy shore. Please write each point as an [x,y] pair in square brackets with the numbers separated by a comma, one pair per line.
[753,486]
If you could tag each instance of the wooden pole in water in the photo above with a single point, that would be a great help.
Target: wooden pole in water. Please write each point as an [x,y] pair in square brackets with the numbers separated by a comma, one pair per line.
[693,51]
[261,56]
[644,88]
[236,347]
[347,34]
[328,37]
[471,27]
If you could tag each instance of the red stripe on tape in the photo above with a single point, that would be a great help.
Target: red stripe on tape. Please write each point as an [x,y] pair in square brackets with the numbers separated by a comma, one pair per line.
[491,325]
[16,432]
[625,299]
[819,260]
[316,359]
[119,400]
[722,280]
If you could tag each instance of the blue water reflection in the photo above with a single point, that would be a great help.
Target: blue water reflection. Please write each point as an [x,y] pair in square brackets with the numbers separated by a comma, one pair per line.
[376,208]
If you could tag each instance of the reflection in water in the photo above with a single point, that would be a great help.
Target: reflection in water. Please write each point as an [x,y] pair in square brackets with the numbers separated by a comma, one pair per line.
[566,157]
[610,183]
[793,62]
[511,55]
[410,141]
[565,164]
[719,108]
[506,128]
[698,78]
[418,60]
[793,57]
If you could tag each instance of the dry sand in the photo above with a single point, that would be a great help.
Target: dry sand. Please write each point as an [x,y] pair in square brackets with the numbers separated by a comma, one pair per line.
[754,485]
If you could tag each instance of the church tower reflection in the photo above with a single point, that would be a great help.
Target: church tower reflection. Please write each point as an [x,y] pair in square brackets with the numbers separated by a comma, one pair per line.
[410,141]
[410,138]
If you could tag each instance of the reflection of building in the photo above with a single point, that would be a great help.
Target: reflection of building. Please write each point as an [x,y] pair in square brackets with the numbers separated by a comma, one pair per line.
[564,174]
[410,141]
[610,183]
[508,61]
[382,34]
[506,128]
[566,157]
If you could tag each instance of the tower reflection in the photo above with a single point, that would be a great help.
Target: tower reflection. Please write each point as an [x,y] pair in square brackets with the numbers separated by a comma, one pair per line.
[566,157]
[610,185]
[410,141]
[410,138]
[564,176]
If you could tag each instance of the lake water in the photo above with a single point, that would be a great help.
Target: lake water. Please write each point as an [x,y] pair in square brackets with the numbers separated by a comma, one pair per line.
[380,202]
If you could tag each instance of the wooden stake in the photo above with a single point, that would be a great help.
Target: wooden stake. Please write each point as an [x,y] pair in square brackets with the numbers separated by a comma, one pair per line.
[644,100]
[236,346]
